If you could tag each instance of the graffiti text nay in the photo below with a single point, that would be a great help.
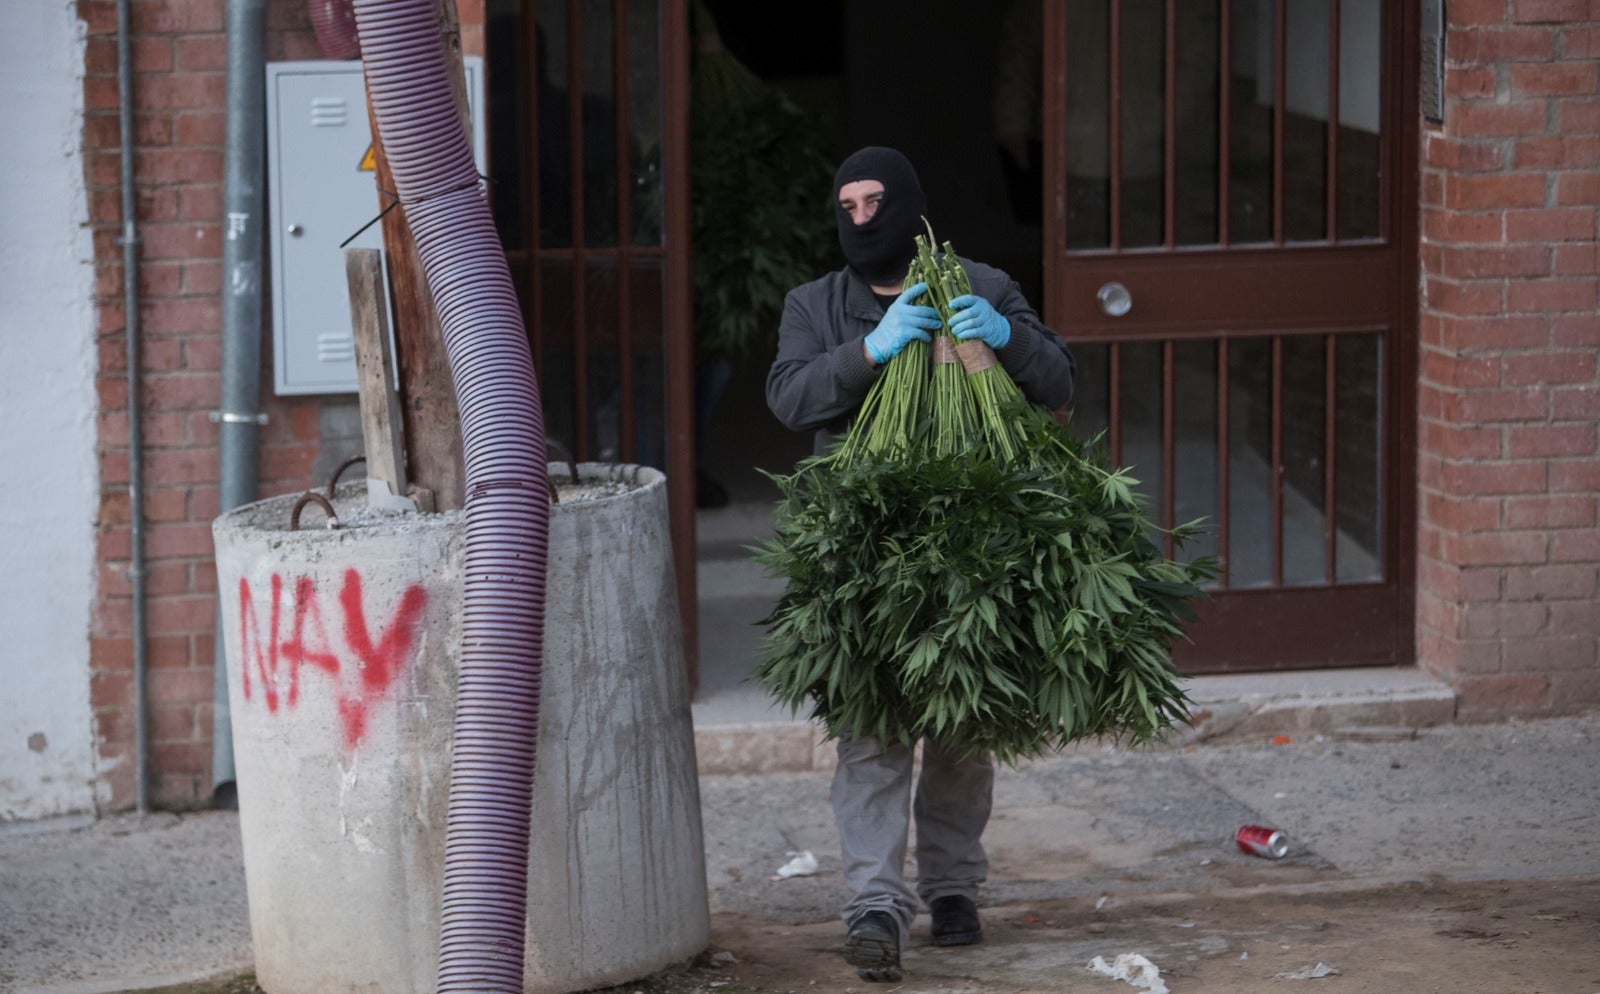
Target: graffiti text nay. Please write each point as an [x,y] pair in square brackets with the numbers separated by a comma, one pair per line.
[360,669]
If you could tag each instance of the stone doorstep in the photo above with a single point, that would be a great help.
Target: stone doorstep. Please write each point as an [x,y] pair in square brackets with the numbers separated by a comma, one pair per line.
[1367,704]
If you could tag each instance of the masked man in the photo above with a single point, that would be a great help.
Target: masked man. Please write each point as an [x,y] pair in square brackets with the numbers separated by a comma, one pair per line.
[834,338]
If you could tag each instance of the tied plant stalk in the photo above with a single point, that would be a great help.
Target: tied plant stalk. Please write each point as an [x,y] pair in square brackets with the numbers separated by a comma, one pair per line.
[954,416]
[993,394]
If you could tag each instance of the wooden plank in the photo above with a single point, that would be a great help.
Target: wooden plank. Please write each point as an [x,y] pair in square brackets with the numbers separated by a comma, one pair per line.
[431,418]
[381,418]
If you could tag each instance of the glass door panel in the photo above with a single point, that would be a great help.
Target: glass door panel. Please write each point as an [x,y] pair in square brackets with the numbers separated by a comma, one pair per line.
[1358,458]
[1194,461]
[1196,123]
[1249,525]
[1249,103]
[1140,412]
[1223,168]
[1139,102]
[1359,151]
[1266,112]
[1303,448]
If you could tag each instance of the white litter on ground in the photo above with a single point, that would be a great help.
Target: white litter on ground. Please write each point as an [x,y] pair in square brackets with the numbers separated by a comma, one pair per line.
[801,864]
[1309,973]
[1133,968]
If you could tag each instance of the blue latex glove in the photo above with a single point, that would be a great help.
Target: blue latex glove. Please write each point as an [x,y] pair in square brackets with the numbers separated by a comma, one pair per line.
[973,317]
[901,323]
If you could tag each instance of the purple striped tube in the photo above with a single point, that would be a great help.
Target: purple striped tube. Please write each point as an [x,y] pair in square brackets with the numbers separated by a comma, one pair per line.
[483,919]
[334,24]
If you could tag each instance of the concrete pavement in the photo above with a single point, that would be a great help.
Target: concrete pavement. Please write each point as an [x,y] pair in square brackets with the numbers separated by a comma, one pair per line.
[126,903]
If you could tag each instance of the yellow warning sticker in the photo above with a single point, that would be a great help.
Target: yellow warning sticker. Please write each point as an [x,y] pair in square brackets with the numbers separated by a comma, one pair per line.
[369,162]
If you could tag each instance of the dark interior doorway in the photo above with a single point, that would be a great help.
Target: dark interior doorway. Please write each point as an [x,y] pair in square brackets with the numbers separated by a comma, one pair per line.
[881,73]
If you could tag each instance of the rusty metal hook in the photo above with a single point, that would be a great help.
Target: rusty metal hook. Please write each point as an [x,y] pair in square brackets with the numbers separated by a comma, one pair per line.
[566,453]
[572,466]
[312,497]
[333,481]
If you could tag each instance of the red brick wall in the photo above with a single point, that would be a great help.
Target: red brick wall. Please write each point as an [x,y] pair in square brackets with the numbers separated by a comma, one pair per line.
[1509,557]
[179,50]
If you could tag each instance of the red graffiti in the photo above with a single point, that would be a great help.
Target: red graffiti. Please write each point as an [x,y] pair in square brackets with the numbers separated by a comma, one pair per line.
[361,675]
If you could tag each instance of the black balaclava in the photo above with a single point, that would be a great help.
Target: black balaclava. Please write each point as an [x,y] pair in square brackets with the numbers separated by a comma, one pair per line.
[881,250]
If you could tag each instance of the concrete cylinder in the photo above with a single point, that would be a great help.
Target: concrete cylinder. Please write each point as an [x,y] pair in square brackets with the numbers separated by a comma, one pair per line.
[342,648]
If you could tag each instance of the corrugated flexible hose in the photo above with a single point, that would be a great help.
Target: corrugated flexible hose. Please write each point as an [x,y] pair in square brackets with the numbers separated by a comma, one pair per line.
[507,510]
[334,24]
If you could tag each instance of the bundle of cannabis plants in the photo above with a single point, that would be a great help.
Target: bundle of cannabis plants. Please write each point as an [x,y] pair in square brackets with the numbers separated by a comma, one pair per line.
[960,567]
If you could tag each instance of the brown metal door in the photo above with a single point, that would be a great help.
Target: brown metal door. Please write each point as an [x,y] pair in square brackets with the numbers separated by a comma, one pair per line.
[1230,252]
[588,112]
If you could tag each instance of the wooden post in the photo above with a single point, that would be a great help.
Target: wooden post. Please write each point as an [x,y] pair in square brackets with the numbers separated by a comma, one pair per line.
[432,421]
[679,318]
[380,402]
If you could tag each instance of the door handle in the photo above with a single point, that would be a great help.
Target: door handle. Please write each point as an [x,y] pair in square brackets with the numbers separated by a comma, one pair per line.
[1115,300]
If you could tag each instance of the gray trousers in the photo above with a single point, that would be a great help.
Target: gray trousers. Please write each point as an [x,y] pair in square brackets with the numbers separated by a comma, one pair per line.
[873,805]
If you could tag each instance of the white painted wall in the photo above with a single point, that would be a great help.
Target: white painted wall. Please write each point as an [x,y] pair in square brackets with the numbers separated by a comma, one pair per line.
[48,472]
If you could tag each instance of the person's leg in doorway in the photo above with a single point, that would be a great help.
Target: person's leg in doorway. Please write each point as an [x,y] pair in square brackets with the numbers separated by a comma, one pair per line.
[710,382]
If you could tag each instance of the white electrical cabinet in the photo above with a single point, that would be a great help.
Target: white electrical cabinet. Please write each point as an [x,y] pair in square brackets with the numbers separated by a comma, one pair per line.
[321,191]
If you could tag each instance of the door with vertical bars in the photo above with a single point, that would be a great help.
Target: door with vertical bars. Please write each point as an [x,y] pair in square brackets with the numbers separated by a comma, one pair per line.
[1231,255]
[588,113]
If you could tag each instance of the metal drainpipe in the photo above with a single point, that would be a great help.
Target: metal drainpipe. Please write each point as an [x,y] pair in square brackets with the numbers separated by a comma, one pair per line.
[130,323]
[239,419]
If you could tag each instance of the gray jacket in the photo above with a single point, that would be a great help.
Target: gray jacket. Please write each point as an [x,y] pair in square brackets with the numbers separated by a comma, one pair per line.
[822,375]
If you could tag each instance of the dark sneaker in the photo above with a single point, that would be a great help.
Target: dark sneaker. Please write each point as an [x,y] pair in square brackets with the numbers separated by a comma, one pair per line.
[873,947]
[955,921]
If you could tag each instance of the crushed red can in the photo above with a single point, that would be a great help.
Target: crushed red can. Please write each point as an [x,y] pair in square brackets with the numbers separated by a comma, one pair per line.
[1260,840]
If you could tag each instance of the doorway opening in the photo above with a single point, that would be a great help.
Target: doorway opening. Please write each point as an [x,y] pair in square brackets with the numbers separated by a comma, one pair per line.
[882,73]
[1227,167]
[879,73]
